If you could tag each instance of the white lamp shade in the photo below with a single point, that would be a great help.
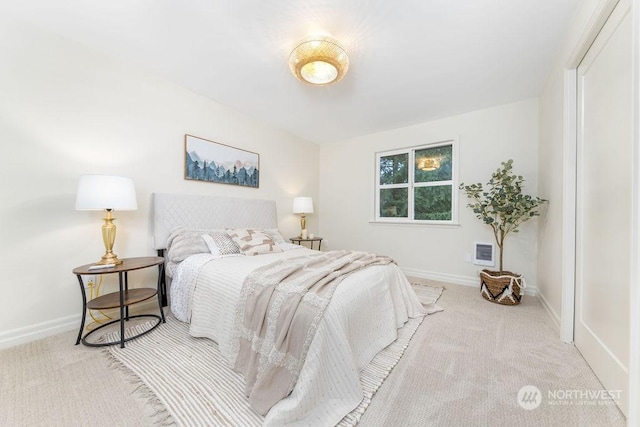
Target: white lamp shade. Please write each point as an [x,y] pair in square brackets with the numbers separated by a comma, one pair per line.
[302,205]
[97,192]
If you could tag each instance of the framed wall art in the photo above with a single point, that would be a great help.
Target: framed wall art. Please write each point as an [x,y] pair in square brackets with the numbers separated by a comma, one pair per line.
[210,161]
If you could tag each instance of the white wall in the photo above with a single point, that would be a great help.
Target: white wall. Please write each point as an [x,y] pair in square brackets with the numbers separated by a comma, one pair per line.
[67,111]
[485,138]
[550,181]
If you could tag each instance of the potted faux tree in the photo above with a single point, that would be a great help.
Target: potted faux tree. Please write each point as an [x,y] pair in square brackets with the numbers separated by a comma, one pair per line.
[503,207]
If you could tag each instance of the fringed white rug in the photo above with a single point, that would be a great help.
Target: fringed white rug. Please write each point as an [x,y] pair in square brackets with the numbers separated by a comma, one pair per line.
[190,383]
[428,295]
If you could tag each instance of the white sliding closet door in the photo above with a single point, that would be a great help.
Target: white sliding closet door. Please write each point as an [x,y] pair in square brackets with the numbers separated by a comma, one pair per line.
[604,202]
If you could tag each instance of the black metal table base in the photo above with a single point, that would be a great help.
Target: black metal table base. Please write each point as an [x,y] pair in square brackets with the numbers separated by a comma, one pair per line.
[120,341]
[123,281]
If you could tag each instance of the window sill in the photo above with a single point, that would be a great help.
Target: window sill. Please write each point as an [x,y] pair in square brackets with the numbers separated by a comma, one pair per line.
[417,223]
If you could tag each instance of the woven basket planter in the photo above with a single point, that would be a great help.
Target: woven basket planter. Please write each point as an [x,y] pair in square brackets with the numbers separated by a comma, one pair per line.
[501,287]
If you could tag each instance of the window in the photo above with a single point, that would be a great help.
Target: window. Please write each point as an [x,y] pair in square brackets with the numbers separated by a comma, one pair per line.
[417,184]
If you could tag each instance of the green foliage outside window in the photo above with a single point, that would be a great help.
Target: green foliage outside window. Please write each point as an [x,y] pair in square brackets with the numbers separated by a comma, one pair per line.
[394,169]
[394,202]
[433,203]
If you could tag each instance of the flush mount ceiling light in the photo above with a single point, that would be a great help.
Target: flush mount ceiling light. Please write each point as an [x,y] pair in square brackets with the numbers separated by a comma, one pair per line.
[319,61]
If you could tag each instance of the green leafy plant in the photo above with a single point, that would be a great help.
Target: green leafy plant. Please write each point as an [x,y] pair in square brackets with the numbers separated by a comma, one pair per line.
[501,205]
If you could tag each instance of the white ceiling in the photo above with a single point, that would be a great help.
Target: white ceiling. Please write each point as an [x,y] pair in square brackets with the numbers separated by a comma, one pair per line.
[411,61]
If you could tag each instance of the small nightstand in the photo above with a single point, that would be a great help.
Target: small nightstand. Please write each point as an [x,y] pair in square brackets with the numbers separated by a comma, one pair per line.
[299,241]
[122,299]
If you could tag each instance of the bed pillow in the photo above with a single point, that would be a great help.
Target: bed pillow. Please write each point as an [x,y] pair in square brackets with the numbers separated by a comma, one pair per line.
[183,243]
[275,235]
[220,244]
[253,241]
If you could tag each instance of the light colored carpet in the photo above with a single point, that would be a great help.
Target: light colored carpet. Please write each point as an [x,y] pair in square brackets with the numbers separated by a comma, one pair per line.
[51,382]
[192,381]
[464,367]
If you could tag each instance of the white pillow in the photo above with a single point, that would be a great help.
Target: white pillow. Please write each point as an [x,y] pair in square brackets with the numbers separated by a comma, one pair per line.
[252,241]
[275,235]
[220,244]
[183,242]
[211,244]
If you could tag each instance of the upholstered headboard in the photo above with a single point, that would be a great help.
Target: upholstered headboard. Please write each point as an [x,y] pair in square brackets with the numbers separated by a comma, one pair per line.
[206,213]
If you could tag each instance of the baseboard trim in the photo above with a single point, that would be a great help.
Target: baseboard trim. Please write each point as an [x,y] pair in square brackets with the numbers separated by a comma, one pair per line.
[39,330]
[456,279]
[552,313]
[63,324]
[441,277]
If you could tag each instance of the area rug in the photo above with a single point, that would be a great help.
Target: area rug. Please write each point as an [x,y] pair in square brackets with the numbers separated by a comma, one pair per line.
[427,294]
[190,383]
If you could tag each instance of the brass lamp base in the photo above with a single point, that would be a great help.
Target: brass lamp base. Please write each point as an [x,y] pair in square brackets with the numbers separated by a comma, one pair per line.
[109,259]
[109,238]
[303,224]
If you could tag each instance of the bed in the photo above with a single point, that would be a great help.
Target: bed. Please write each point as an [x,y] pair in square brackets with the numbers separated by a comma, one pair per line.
[361,318]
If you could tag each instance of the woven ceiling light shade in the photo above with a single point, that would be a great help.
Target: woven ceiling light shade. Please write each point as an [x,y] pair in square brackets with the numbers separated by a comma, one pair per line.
[319,61]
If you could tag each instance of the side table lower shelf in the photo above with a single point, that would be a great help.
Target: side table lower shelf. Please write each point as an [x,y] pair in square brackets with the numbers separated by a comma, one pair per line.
[112,300]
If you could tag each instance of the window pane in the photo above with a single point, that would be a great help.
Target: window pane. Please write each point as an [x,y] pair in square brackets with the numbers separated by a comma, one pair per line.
[394,169]
[433,203]
[433,164]
[394,202]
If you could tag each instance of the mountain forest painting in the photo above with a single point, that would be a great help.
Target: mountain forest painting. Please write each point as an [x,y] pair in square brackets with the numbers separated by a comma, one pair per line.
[213,162]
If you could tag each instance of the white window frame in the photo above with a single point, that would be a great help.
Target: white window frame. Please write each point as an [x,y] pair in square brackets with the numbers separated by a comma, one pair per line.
[410,185]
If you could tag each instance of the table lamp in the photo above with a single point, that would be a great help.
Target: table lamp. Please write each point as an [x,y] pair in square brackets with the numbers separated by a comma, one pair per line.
[106,192]
[302,206]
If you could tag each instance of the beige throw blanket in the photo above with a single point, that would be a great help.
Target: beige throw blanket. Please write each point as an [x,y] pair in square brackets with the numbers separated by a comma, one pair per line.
[278,314]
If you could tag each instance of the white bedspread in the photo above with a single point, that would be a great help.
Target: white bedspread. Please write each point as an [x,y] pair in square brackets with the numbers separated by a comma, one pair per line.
[362,318]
